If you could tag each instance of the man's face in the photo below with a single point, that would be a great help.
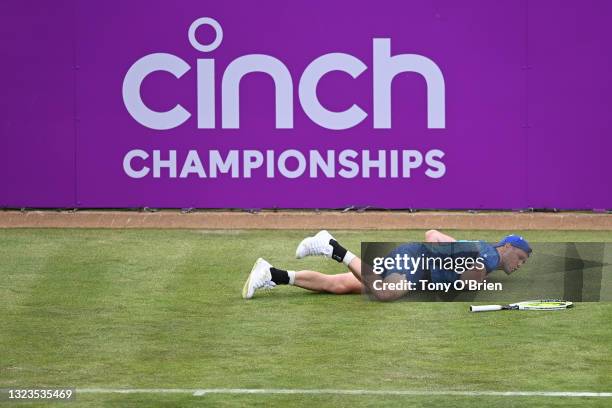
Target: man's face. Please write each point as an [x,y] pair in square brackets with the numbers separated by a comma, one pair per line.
[513,258]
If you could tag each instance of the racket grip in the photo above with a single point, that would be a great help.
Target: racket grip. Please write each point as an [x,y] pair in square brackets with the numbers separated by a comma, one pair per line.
[485,308]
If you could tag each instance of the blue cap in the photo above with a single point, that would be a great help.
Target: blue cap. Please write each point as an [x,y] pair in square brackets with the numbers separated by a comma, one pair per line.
[517,242]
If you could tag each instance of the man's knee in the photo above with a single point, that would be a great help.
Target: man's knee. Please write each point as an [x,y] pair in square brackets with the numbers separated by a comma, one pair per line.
[431,235]
[344,284]
[340,288]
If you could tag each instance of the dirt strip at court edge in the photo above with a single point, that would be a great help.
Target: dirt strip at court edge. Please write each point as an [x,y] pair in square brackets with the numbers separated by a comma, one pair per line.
[386,220]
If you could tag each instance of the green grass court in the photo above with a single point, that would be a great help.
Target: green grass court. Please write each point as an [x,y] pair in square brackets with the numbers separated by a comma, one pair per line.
[162,309]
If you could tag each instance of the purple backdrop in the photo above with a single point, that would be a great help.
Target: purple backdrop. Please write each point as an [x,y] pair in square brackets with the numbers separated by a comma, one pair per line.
[527,99]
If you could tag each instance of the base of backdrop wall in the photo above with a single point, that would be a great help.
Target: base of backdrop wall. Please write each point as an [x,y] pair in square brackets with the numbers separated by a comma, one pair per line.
[311,220]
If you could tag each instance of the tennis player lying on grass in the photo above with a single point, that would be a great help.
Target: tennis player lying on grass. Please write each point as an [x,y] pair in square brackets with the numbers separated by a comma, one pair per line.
[509,255]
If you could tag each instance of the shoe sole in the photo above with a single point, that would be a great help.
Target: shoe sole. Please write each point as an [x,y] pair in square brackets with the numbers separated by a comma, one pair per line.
[322,232]
[245,288]
[297,250]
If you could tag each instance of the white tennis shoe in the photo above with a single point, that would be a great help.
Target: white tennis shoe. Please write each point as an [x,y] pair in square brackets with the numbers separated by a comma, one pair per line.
[259,278]
[315,246]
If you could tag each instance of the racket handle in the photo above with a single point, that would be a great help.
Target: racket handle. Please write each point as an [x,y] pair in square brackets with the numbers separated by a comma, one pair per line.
[485,308]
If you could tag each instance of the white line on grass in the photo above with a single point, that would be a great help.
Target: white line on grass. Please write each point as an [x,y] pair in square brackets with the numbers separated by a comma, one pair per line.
[200,392]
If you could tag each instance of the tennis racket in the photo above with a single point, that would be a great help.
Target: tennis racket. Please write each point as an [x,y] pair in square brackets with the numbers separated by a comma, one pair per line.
[543,304]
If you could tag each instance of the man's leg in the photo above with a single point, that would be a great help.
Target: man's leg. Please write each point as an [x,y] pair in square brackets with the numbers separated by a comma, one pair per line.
[437,236]
[264,275]
[339,284]
[324,244]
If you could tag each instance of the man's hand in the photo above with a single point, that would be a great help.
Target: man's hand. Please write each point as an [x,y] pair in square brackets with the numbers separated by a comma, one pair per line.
[476,274]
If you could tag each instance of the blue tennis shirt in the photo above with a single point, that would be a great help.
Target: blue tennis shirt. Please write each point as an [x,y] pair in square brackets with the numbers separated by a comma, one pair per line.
[454,250]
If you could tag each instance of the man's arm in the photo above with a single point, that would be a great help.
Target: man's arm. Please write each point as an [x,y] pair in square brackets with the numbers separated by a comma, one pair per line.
[477,274]
[437,236]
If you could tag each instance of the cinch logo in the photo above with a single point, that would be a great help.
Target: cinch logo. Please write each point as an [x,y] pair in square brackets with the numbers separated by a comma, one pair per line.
[385,68]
